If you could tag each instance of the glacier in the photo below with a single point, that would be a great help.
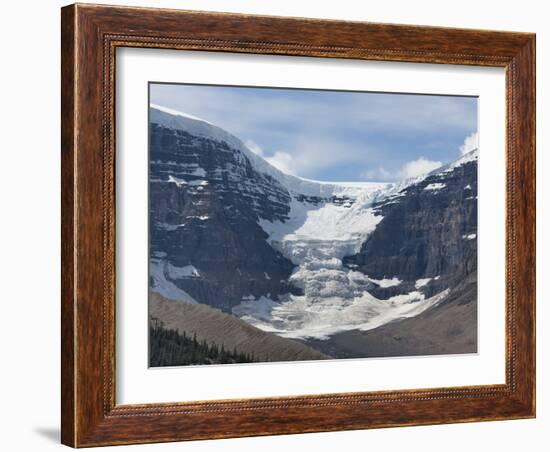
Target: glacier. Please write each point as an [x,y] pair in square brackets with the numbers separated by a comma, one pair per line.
[336,298]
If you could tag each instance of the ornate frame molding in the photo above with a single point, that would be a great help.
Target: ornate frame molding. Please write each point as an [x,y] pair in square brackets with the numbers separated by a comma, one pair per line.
[90,37]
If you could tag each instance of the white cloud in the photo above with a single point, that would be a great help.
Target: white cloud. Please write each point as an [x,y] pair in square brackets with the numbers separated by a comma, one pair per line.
[418,167]
[378,174]
[471,142]
[283,161]
[414,168]
[254,147]
[316,138]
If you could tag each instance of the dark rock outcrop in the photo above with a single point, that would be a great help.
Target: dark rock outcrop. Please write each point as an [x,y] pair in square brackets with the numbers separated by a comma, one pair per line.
[205,199]
[428,231]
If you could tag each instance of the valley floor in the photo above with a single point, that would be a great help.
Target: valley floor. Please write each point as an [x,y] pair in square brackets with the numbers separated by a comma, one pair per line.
[447,328]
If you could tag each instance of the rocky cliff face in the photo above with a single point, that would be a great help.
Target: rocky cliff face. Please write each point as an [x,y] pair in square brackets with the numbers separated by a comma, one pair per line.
[428,234]
[205,202]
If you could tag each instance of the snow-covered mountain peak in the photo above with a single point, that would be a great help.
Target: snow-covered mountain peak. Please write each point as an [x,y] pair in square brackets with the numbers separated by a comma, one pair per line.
[365,192]
[173,112]
[177,120]
[173,119]
[463,159]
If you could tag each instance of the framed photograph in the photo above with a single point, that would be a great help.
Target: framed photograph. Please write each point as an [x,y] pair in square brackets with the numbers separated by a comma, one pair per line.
[282,225]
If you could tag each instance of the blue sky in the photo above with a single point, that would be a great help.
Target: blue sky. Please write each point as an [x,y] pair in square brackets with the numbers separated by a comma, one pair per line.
[335,135]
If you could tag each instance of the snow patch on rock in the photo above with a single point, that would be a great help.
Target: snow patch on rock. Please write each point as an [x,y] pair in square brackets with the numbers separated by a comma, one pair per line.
[435,186]
[159,271]
[386,282]
[189,271]
[422,282]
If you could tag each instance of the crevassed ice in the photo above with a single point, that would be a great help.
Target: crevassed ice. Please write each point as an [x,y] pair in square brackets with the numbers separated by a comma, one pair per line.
[298,317]
[336,298]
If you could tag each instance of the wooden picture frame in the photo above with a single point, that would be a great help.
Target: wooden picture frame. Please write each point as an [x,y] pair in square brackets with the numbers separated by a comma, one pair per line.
[90,36]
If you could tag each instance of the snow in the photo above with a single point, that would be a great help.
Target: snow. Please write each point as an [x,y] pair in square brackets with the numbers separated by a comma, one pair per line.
[158,272]
[466,158]
[173,112]
[173,119]
[316,238]
[422,282]
[468,187]
[198,217]
[189,271]
[387,282]
[469,236]
[168,226]
[297,317]
[326,222]
[200,172]
[376,191]
[201,183]
[262,308]
[336,298]
[308,187]
[177,181]
[435,186]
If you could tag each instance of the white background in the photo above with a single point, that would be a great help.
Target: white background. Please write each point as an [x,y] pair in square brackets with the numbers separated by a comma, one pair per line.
[30,226]
[137,384]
